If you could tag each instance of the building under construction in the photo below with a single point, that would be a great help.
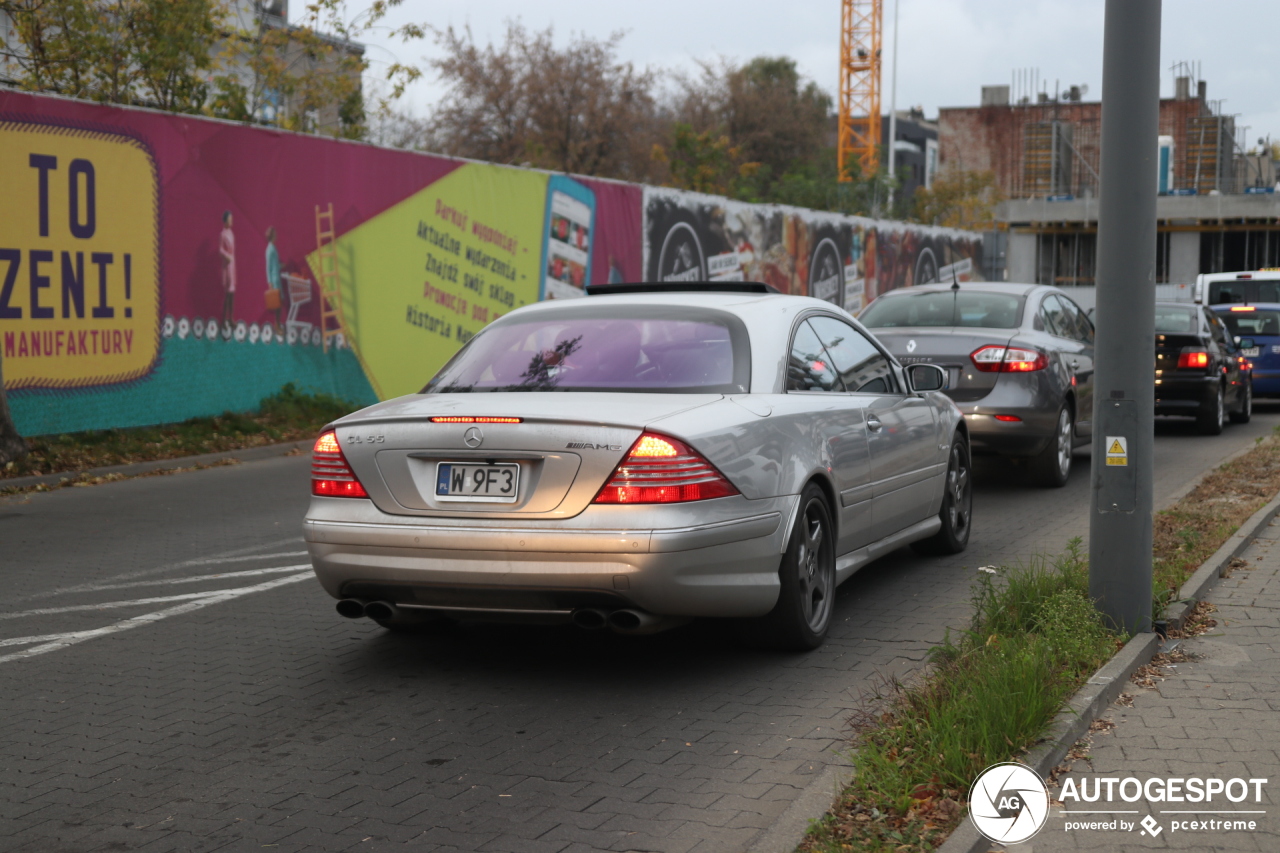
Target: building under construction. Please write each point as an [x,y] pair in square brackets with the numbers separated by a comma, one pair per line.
[1217,210]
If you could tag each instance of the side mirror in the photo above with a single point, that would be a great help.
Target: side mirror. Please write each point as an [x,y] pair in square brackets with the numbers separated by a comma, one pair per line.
[926,377]
[1246,343]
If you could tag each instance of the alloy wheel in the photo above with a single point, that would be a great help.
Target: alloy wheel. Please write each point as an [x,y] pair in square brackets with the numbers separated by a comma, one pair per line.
[960,503]
[1064,442]
[816,569]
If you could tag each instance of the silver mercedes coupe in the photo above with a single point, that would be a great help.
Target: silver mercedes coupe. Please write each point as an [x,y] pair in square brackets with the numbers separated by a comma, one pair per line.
[646,455]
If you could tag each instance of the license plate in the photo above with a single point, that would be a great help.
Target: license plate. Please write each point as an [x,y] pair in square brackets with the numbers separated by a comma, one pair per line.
[466,481]
[1251,352]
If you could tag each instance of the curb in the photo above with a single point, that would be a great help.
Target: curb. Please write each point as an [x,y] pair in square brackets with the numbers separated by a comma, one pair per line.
[247,454]
[1211,569]
[814,801]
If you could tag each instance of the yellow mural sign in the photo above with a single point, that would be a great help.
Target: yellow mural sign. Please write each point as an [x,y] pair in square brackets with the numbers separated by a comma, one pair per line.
[79,284]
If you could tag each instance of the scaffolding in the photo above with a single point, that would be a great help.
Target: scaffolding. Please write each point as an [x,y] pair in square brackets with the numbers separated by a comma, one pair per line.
[858,131]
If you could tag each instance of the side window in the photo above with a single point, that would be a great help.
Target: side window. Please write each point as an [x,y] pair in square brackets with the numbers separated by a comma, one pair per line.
[1058,318]
[809,368]
[1219,331]
[862,367]
[1084,328]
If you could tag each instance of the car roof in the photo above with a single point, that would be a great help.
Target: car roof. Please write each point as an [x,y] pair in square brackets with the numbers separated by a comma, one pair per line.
[1220,306]
[743,304]
[1012,287]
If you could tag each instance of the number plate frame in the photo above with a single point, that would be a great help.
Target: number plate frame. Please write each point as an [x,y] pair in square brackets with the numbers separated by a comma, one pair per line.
[1251,352]
[445,470]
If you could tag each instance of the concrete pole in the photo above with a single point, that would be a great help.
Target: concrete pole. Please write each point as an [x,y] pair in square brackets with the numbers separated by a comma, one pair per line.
[893,108]
[1124,393]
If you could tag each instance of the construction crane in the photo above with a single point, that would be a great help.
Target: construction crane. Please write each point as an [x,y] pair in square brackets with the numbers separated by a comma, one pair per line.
[858,133]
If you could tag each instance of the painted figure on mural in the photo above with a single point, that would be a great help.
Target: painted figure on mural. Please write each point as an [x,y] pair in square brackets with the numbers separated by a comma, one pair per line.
[227,251]
[275,293]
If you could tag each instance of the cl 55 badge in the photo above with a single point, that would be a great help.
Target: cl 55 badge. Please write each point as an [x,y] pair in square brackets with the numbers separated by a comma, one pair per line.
[587,445]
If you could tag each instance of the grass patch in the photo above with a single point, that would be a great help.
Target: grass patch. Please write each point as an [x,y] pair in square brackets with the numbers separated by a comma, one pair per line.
[1188,533]
[993,689]
[287,415]
[1035,637]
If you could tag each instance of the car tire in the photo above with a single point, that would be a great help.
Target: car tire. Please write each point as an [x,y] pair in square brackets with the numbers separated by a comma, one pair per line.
[800,619]
[1246,406]
[1212,416]
[957,505]
[1051,467]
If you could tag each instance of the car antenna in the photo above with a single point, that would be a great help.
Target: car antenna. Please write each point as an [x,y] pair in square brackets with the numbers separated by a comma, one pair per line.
[955,281]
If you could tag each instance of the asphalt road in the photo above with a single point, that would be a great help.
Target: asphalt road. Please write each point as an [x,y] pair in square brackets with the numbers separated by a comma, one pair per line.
[171,678]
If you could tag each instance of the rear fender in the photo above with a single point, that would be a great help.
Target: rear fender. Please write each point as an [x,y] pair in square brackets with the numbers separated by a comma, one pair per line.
[823,482]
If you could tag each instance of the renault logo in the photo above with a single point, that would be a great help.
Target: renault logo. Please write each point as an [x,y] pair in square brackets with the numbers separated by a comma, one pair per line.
[911,346]
[473,437]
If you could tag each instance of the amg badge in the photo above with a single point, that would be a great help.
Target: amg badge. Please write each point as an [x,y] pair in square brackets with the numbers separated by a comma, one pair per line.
[589,445]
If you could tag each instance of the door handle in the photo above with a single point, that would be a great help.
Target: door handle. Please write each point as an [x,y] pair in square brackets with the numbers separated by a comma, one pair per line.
[873,423]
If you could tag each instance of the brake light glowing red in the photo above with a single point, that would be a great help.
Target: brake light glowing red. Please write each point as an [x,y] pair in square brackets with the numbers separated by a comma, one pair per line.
[1196,359]
[994,358]
[468,419]
[1009,419]
[1243,308]
[659,470]
[331,476]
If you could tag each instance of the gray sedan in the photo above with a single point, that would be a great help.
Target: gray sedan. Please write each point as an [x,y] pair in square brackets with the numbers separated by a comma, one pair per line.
[1019,359]
[638,458]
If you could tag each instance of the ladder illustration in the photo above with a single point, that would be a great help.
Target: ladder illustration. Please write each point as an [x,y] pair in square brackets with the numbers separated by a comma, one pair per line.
[331,324]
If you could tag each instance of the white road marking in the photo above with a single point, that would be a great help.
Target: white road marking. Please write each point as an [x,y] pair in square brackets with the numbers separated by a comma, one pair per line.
[137,602]
[236,554]
[54,642]
[200,578]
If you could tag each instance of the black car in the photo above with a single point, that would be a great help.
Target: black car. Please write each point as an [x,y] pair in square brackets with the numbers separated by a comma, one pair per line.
[1199,369]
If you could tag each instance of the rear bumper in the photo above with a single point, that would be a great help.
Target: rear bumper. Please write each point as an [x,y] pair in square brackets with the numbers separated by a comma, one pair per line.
[1027,397]
[1184,395]
[1266,383]
[704,561]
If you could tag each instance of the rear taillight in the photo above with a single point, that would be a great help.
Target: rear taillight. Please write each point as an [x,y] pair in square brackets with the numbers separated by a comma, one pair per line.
[998,359]
[331,476]
[662,470]
[1194,359]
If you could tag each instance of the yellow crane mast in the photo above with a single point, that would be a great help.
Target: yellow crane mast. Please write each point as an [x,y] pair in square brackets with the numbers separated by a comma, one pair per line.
[858,133]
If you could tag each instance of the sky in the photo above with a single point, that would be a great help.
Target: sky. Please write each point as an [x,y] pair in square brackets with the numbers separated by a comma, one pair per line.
[948,49]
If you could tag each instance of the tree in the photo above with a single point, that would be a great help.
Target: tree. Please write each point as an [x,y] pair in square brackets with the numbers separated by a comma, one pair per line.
[704,163]
[572,109]
[149,52]
[765,111]
[959,199]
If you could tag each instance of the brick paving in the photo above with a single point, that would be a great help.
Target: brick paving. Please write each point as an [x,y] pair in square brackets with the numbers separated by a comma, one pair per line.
[268,722]
[1214,716]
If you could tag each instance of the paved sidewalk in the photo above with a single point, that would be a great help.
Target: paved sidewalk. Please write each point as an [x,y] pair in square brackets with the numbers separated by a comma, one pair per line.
[1216,715]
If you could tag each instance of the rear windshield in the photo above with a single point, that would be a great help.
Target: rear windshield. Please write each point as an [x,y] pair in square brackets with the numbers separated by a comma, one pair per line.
[945,308]
[605,348]
[1256,323]
[1244,290]
[1176,321]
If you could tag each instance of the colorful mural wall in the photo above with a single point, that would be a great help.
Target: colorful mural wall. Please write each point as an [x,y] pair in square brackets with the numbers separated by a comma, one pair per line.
[156,267]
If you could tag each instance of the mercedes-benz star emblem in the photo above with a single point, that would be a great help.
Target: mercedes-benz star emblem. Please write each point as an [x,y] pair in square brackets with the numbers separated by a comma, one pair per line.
[473,437]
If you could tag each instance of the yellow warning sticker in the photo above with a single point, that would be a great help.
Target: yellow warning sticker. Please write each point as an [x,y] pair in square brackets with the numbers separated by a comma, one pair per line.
[1117,450]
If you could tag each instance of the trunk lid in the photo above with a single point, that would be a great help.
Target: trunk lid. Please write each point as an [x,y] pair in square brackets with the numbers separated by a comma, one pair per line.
[1169,347]
[949,348]
[564,447]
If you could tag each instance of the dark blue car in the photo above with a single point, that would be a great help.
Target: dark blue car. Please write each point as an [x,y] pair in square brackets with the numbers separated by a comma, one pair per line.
[1256,329]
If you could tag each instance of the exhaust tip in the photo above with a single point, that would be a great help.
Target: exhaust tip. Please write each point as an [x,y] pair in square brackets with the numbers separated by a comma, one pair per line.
[350,608]
[589,618]
[625,620]
[380,610]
